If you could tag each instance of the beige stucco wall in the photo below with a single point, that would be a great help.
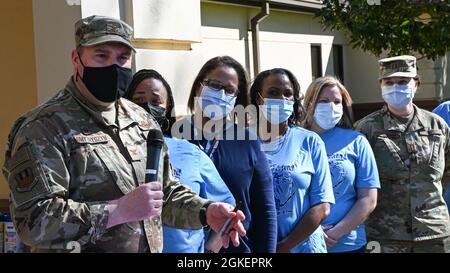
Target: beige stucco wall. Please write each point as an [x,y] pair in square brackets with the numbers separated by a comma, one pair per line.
[167,19]
[361,76]
[38,52]
[214,29]
[285,41]
[17,72]
[100,7]
[447,77]
[170,21]
[54,38]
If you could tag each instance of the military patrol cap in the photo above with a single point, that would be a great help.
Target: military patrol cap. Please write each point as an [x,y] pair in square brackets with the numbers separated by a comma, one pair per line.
[95,30]
[399,66]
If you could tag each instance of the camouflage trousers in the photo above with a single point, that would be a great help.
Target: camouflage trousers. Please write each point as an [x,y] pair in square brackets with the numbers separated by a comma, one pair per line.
[439,245]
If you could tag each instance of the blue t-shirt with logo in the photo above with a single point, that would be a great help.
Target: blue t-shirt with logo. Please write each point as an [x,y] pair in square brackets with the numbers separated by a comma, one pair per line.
[301,180]
[196,170]
[352,167]
[443,110]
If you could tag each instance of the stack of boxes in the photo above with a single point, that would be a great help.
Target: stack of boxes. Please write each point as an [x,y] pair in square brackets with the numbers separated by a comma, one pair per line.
[2,234]
[8,236]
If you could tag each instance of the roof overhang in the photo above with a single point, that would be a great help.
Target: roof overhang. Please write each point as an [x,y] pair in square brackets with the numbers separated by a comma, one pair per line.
[292,5]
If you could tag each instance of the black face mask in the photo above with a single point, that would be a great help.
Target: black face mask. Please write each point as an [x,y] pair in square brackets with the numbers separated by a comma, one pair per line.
[107,84]
[158,112]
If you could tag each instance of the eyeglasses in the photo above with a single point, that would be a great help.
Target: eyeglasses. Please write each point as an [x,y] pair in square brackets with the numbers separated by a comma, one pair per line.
[218,86]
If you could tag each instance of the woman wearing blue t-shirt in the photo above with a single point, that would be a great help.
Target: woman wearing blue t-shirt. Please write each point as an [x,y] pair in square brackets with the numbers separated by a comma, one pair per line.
[189,164]
[297,158]
[352,164]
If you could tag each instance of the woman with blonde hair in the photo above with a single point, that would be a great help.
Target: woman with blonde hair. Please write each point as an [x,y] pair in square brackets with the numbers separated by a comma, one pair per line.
[352,164]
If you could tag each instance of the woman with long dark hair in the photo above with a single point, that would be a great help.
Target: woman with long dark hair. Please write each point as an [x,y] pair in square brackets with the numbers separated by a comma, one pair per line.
[219,88]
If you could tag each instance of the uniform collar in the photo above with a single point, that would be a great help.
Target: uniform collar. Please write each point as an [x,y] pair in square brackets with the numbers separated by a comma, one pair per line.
[418,121]
[390,123]
[125,118]
[126,115]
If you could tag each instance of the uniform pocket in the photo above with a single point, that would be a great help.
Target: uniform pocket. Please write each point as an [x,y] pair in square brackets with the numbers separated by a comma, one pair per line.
[436,144]
[387,153]
[430,144]
[115,168]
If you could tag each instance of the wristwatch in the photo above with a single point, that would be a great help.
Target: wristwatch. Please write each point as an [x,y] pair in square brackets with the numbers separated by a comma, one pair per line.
[202,215]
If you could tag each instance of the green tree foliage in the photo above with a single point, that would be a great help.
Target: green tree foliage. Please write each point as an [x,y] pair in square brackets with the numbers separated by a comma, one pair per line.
[396,26]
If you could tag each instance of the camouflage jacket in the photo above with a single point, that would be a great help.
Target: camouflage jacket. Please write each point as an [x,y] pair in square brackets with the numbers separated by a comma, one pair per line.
[411,161]
[64,162]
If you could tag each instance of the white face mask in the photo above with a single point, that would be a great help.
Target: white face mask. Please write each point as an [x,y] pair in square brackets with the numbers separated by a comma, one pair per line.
[277,111]
[327,115]
[397,95]
[216,104]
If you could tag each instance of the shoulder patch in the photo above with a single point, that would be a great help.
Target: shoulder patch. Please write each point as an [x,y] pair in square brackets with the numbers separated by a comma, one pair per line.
[24,180]
[144,125]
[26,177]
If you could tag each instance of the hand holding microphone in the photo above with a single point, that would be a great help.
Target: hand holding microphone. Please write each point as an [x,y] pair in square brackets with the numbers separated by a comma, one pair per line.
[155,143]
[146,200]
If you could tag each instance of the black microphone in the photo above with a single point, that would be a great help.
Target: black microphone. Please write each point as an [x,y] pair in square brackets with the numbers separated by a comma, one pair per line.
[155,143]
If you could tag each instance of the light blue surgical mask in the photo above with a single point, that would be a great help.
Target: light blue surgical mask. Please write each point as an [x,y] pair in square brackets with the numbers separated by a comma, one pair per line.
[397,95]
[216,104]
[277,111]
[327,115]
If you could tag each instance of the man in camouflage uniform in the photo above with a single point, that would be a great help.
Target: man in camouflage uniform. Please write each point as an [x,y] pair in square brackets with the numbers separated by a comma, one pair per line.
[76,164]
[411,147]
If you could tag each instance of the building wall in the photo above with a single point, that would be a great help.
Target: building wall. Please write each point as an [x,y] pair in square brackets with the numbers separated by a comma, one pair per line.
[163,26]
[447,77]
[208,29]
[176,38]
[54,39]
[361,76]
[17,72]
[442,77]
[431,78]
[285,41]
[100,7]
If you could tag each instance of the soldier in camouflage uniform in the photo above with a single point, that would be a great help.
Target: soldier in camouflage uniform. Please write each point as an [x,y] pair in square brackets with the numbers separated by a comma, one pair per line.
[76,164]
[411,147]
